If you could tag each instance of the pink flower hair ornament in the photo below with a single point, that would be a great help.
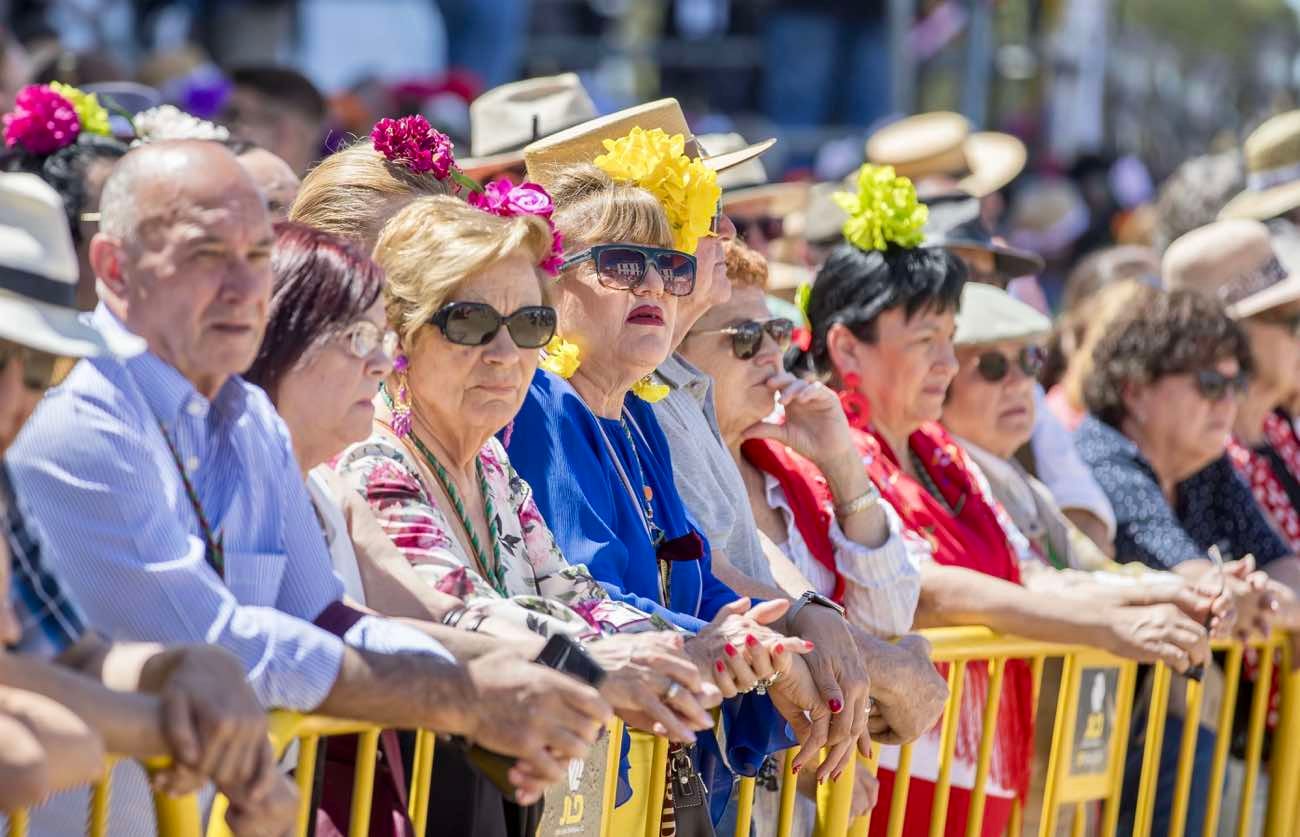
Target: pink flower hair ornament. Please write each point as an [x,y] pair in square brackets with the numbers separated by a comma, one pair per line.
[503,198]
[412,142]
[42,121]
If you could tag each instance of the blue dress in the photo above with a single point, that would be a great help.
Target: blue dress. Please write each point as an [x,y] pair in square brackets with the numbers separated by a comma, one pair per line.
[576,463]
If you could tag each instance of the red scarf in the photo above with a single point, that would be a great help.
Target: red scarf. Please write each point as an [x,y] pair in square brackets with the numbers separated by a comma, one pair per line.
[1257,470]
[808,495]
[970,537]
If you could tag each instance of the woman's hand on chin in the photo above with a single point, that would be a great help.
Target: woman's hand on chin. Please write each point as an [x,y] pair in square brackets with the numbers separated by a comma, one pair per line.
[654,686]
[737,649]
[815,425]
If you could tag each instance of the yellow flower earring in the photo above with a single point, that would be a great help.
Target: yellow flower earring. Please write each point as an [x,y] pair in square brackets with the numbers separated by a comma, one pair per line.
[649,390]
[561,357]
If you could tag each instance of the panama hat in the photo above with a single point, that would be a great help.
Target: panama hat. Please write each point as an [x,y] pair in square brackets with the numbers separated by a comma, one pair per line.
[746,191]
[941,144]
[38,275]
[1234,262]
[505,119]
[584,143]
[989,314]
[1272,153]
[954,221]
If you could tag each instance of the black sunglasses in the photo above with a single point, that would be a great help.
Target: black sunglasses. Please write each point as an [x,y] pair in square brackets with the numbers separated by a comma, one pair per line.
[747,337]
[994,366]
[1213,385]
[623,267]
[477,324]
[41,370]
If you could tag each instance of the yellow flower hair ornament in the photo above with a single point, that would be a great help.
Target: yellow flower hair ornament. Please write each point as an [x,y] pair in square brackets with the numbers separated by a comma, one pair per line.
[561,357]
[649,390]
[884,210]
[657,162]
[93,115]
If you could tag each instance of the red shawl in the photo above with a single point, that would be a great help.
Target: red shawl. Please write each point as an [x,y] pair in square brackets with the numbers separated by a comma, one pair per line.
[969,537]
[808,495]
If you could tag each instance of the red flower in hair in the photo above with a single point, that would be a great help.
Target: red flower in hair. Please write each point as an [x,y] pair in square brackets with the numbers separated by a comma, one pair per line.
[501,197]
[856,406]
[416,144]
[802,338]
[42,121]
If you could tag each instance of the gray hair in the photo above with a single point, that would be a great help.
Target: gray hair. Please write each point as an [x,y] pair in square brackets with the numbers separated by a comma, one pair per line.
[166,161]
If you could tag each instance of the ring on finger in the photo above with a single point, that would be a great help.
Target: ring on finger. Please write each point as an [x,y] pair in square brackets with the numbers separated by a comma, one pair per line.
[766,683]
[673,689]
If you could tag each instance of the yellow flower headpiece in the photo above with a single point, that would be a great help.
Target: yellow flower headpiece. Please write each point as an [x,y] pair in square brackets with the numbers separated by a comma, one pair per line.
[884,211]
[657,162]
[91,114]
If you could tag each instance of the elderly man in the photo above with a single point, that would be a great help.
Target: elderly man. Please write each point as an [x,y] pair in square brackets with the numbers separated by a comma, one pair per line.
[175,510]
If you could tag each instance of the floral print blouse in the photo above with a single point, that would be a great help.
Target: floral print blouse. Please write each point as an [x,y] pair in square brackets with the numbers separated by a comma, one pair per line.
[545,593]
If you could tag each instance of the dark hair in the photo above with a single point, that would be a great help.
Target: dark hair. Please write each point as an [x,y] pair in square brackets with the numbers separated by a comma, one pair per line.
[66,169]
[855,286]
[1166,334]
[322,285]
[284,86]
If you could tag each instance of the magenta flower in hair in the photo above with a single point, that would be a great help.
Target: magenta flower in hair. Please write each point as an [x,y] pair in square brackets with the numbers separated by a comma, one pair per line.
[42,121]
[416,144]
[503,198]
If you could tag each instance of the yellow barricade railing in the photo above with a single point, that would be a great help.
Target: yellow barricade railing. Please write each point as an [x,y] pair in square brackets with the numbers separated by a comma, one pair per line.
[1065,791]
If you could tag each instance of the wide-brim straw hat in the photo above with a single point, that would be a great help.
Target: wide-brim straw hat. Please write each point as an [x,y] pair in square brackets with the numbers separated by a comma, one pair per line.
[1234,262]
[954,221]
[505,119]
[1272,156]
[584,143]
[38,275]
[942,145]
[746,190]
[989,314]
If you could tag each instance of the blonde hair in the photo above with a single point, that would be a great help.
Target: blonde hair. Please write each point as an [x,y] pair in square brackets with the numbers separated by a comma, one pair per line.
[746,267]
[352,192]
[435,243]
[1088,323]
[593,208]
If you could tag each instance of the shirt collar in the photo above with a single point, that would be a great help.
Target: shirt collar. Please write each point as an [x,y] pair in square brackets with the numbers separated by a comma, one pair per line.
[678,373]
[168,392]
[1109,442]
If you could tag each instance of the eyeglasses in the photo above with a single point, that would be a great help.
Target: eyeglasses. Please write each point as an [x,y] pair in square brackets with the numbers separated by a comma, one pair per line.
[363,337]
[995,366]
[623,267]
[41,370]
[477,324]
[747,337]
[768,227]
[1213,385]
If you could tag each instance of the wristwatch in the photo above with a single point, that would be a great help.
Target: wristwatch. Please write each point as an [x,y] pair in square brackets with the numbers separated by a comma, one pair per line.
[814,598]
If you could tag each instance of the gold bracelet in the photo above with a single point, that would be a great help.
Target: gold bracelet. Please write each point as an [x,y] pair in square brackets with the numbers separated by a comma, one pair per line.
[863,501]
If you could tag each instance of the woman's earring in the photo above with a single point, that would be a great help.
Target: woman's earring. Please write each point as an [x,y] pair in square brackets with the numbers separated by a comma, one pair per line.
[856,406]
[401,404]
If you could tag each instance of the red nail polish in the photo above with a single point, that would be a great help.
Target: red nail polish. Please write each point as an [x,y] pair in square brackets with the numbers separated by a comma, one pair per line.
[835,705]
[729,649]
[721,666]
[795,768]
[808,645]
[750,641]
[780,649]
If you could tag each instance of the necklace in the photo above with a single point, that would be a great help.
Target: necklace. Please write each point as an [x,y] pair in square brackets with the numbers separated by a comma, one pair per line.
[927,482]
[647,493]
[494,570]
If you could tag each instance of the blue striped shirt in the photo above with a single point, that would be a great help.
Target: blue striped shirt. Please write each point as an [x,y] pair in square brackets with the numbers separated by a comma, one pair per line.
[94,470]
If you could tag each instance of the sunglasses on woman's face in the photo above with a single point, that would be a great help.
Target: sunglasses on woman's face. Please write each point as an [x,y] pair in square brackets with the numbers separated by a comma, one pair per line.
[1213,385]
[747,337]
[363,337]
[41,370]
[623,267]
[995,366]
[768,227]
[477,324]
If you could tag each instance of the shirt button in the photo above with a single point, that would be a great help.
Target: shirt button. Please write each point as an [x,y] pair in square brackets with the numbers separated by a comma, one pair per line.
[192,463]
[194,408]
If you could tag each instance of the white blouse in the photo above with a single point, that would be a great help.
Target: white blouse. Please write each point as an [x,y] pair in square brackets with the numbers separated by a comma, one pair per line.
[320,485]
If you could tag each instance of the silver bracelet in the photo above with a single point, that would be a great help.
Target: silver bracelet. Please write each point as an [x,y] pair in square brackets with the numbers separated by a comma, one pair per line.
[863,501]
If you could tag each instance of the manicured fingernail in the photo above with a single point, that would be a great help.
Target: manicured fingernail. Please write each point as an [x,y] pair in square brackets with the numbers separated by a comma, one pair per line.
[729,649]
[835,705]
[720,666]
[750,641]
[808,646]
[796,767]
[780,649]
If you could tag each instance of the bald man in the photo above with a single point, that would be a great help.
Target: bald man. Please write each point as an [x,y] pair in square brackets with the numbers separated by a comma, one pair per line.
[274,177]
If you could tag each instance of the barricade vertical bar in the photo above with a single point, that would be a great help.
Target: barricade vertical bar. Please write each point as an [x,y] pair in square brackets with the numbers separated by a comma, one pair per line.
[1079,826]
[902,779]
[1255,738]
[1146,803]
[1060,730]
[975,816]
[305,777]
[1016,825]
[611,776]
[862,825]
[100,796]
[654,811]
[1186,754]
[178,816]
[744,804]
[363,783]
[18,823]
[789,783]
[1123,718]
[1223,738]
[1284,772]
[947,744]
[421,781]
[835,803]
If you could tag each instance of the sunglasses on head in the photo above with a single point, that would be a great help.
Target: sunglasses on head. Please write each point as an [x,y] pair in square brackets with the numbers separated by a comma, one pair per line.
[623,267]
[994,366]
[1213,385]
[41,370]
[747,337]
[477,324]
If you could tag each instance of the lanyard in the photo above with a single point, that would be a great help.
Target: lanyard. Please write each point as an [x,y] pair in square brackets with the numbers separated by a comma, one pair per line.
[213,551]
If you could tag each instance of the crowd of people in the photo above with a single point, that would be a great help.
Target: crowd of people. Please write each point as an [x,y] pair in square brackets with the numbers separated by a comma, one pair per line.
[598,423]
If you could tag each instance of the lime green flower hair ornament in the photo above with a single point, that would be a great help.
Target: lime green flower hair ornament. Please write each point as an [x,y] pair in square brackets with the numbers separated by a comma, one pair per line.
[802,297]
[884,211]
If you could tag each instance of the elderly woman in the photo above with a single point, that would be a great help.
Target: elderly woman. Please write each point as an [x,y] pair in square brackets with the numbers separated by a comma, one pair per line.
[882,319]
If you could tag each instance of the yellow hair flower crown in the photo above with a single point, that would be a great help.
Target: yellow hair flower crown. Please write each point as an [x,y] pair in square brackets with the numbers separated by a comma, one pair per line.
[884,211]
[561,357]
[657,162]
